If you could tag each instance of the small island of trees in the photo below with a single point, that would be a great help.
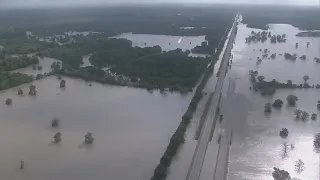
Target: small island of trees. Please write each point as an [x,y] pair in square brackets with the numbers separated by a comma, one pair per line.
[277,103]
[88,139]
[284,133]
[279,174]
[57,138]
[62,84]
[55,122]
[32,90]
[20,91]
[267,107]
[264,35]
[292,99]
[9,101]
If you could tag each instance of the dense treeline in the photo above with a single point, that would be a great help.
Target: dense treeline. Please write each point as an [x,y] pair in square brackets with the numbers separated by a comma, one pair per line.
[152,69]
[22,45]
[13,63]
[117,56]
[91,73]
[173,70]
[9,80]
[71,58]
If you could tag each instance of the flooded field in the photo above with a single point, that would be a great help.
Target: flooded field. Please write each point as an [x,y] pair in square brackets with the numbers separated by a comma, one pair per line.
[131,128]
[167,43]
[256,146]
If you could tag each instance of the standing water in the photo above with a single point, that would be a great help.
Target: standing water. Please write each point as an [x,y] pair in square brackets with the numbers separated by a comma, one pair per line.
[131,127]
[256,146]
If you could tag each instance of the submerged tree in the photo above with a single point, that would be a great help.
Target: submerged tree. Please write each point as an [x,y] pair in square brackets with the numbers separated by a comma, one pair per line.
[284,133]
[316,141]
[88,139]
[314,116]
[9,101]
[297,113]
[267,107]
[62,84]
[55,122]
[20,92]
[260,78]
[280,174]
[57,137]
[306,78]
[292,99]
[285,150]
[32,90]
[299,166]
[277,103]
[304,115]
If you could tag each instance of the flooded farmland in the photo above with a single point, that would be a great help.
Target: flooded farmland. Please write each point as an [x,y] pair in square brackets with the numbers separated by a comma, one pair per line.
[256,146]
[131,128]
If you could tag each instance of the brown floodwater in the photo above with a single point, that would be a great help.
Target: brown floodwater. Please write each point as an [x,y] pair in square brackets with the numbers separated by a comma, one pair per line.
[256,146]
[131,128]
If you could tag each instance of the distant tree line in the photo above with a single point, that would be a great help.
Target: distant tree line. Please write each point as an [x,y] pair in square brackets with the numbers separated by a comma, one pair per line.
[13,63]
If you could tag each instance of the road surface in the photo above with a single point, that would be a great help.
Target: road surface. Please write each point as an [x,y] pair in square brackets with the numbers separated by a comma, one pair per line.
[204,138]
[222,162]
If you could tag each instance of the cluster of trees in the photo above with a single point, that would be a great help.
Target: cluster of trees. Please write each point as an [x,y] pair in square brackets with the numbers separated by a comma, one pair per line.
[263,36]
[147,67]
[279,174]
[212,42]
[278,38]
[284,133]
[258,36]
[9,80]
[13,63]
[316,141]
[290,56]
[303,115]
[71,58]
[269,87]
[276,104]
[22,45]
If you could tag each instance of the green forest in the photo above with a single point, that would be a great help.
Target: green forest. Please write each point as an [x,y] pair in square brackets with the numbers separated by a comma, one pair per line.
[148,67]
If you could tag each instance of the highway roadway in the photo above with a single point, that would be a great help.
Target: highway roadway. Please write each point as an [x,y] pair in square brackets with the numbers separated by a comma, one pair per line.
[222,162]
[204,138]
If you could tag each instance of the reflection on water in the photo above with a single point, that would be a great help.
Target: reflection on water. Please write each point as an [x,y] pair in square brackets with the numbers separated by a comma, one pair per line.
[131,127]
[167,43]
[257,146]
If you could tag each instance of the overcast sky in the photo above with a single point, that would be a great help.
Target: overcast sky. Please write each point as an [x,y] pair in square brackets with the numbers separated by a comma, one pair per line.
[34,3]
